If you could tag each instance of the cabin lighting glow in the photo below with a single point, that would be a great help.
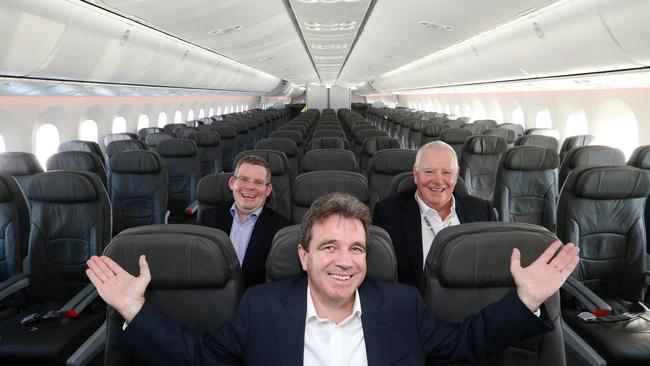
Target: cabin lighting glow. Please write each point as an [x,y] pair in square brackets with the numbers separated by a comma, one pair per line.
[329,58]
[329,46]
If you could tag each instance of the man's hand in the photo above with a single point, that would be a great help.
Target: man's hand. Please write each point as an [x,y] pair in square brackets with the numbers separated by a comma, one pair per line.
[544,277]
[117,287]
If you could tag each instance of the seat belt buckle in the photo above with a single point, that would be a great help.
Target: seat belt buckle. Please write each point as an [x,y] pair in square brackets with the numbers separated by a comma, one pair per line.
[30,319]
[586,316]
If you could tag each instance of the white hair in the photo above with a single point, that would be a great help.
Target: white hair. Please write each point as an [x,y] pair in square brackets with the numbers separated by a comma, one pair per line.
[435,145]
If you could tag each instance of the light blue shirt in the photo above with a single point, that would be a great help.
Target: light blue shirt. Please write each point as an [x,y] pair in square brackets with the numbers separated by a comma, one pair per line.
[240,232]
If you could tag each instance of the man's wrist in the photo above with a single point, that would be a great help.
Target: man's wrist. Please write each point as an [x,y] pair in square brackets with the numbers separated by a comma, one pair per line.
[129,312]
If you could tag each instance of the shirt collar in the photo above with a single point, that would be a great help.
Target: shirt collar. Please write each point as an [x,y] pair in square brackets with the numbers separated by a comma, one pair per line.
[425,209]
[255,214]
[311,309]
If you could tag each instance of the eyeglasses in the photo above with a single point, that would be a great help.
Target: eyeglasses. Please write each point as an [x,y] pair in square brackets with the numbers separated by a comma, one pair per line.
[256,182]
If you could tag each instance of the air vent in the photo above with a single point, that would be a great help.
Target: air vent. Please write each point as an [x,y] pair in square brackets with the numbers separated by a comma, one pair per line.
[328,58]
[125,37]
[435,26]
[227,30]
[264,59]
[387,55]
[329,46]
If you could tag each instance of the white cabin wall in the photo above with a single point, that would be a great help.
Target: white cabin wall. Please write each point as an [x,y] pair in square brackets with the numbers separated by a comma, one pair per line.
[601,107]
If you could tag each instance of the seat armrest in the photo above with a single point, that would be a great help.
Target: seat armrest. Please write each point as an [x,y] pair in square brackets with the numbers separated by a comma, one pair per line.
[167,214]
[647,278]
[192,208]
[586,297]
[13,284]
[92,347]
[79,302]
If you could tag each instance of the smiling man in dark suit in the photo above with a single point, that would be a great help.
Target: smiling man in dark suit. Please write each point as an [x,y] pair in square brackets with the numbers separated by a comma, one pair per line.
[334,315]
[414,217]
[250,224]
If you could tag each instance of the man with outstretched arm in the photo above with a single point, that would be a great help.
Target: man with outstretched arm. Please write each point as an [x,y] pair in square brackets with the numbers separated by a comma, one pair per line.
[334,315]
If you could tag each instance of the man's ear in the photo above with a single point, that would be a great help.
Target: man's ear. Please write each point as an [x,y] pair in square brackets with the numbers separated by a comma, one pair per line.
[302,254]
[231,183]
[269,189]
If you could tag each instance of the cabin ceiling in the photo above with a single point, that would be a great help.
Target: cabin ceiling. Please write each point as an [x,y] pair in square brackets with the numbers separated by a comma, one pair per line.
[320,41]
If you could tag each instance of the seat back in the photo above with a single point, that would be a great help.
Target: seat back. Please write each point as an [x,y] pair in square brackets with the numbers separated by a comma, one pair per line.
[180,158]
[143,132]
[589,156]
[385,165]
[228,136]
[170,127]
[488,123]
[476,128]
[70,222]
[329,159]
[122,145]
[14,227]
[154,139]
[195,277]
[21,165]
[543,131]
[309,186]
[328,132]
[538,140]
[479,164]
[329,143]
[364,135]
[280,198]
[519,129]
[81,145]
[245,141]
[371,146]
[137,183]
[456,137]
[468,266]
[526,186]
[283,261]
[572,142]
[118,136]
[431,132]
[212,191]
[296,136]
[601,210]
[79,161]
[286,146]
[505,133]
[210,151]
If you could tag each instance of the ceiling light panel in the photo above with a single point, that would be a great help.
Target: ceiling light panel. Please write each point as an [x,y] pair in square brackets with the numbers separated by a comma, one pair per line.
[329,28]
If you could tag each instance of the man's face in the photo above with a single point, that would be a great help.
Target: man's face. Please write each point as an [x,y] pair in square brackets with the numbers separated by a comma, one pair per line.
[249,188]
[336,260]
[436,178]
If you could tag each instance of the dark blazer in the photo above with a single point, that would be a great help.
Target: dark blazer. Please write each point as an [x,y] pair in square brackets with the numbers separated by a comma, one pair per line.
[399,215]
[269,327]
[268,223]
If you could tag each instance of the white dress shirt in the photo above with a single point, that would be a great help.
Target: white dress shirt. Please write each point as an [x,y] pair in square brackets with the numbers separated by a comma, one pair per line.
[241,231]
[436,223]
[330,344]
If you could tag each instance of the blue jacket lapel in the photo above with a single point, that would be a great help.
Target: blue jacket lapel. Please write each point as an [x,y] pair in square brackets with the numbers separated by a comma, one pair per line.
[290,323]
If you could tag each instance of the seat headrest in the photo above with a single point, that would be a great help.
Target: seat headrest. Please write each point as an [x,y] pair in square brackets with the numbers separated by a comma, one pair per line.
[154,139]
[329,159]
[135,162]
[287,146]
[641,157]
[478,254]
[8,187]
[530,158]
[276,159]
[393,161]
[309,186]
[74,160]
[19,163]
[485,145]
[327,143]
[225,131]
[595,155]
[455,135]
[123,145]
[506,133]
[432,129]
[177,148]
[377,143]
[283,261]
[240,127]
[290,134]
[179,256]
[64,187]
[79,145]
[205,138]
[213,189]
[610,182]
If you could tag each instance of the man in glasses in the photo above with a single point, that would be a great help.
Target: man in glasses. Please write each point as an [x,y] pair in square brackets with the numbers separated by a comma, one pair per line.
[249,222]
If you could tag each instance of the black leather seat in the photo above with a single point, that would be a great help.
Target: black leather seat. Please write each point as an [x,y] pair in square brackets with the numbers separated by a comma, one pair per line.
[506,133]
[476,128]
[79,161]
[180,158]
[431,132]
[479,163]
[59,246]
[21,165]
[119,136]
[386,164]
[283,261]
[295,136]
[210,150]
[329,159]
[143,132]
[543,131]
[286,146]
[137,183]
[154,139]
[212,191]
[309,186]
[195,277]
[469,267]
[488,123]
[589,156]
[601,210]
[371,146]
[228,136]
[526,187]
[538,140]
[574,141]
[456,137]
[329,143]
[81,145]
[328,132]
[363,135]
[519,129]
[14,227]
[122,145]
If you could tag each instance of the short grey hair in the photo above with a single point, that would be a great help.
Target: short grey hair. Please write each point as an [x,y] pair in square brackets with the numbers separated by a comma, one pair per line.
[435,145]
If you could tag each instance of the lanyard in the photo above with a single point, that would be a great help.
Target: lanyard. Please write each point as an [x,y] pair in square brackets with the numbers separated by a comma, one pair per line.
[430,227]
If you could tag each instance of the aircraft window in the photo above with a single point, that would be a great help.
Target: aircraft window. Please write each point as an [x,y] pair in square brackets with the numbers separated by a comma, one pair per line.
[225,110]
[219,111]
[237,109]
[119,125]
[47,141]
[543,119]
[201,113]
[143,121]
[518,117]
[621,132]
[190,115]
[457,110]
[247,107]
[478,109]
[162,119]
[232,108]
[211,112]
[178,117]
[576,124]
[3,148]
[88,130]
